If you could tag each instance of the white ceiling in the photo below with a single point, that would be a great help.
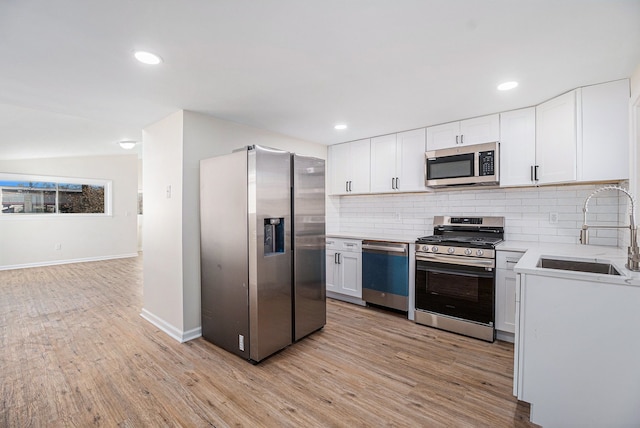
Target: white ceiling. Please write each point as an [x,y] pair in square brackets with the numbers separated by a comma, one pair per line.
[69,84]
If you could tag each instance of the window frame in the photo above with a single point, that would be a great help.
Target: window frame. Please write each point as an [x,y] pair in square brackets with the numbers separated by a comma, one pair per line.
[108,195]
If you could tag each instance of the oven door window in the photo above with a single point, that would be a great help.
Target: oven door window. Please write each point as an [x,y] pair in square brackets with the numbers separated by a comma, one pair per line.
[451,167]
[458,291]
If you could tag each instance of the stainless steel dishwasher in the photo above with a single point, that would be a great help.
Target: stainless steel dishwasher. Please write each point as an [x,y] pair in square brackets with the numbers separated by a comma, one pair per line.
[385,274]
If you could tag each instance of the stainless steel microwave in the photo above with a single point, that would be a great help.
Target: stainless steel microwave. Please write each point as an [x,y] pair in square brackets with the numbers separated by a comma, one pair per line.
[477,164]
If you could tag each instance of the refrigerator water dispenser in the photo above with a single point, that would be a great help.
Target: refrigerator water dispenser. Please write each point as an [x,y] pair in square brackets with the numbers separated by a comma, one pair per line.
[273,236]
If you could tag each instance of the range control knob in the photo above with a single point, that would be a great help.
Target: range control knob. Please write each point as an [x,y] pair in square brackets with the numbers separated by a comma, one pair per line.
[451,250]
[479,252]
[467,252]
[434,249]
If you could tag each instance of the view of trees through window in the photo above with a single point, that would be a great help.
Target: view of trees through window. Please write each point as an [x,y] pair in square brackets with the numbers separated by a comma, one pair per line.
[51,197]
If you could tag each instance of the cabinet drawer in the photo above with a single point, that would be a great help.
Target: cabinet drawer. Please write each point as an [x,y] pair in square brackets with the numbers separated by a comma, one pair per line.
[344,245]
[351,245]
[507,259]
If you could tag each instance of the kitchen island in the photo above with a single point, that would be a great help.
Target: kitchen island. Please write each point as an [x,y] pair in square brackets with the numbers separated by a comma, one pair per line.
[578,338]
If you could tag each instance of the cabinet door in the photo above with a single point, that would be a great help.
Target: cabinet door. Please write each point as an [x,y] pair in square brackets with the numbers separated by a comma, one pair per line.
[410,161]
[485,129]
[517,146]
[505,300]
[339,163]
[605,131]
[351,270]
[443,136]
[333,277]
[556,149]
[360,162]
[383,163]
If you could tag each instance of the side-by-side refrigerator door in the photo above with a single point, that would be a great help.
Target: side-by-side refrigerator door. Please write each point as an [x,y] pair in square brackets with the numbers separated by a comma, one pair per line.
[309,277]
[223,250]
[270,313]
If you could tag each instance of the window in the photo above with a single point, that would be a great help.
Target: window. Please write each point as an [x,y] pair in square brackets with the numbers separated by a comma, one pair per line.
[21,194]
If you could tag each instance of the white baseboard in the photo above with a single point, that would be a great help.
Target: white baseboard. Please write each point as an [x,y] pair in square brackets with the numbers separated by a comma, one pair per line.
[172,331]
[345,298]
[68,261]
[505,336]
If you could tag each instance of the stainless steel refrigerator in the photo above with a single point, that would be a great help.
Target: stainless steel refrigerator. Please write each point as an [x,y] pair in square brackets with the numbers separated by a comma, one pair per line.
[262,250]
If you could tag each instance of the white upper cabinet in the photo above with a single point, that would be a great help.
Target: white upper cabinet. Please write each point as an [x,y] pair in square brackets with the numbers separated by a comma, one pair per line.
[397,162]
[581,136]
[383,163]
[484,129]
[605,132]
[349,167]
[556,140]
[410,160]
[517,147]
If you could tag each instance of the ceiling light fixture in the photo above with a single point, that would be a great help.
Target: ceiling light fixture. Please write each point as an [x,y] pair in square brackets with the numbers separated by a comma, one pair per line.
[128,144]
[340,126]
[507,85]
[147,57]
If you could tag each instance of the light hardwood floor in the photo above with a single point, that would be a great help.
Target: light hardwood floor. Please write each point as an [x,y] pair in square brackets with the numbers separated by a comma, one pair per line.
[74,351]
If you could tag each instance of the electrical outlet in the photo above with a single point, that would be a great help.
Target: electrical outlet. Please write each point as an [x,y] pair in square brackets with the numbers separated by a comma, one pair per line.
[553,218]
[169,192]
[397,216]
[241,342]
[57,247]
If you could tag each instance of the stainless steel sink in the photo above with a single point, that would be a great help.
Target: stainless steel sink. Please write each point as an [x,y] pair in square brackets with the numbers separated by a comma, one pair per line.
[578,266]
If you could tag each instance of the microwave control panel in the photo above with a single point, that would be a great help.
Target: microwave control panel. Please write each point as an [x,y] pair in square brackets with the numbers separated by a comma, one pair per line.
[486,162]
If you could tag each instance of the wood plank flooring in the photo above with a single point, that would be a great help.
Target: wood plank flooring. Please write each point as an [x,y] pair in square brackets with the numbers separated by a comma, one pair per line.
[74,351]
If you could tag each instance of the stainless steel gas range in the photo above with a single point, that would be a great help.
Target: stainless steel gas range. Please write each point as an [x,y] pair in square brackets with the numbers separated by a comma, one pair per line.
[455,275]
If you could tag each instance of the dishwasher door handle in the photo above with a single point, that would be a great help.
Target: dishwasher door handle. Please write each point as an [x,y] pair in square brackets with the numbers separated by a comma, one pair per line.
[392,248]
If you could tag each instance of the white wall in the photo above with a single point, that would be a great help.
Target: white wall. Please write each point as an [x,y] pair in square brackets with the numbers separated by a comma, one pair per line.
[634,132]
[526,211]
[30,240]
[173,149]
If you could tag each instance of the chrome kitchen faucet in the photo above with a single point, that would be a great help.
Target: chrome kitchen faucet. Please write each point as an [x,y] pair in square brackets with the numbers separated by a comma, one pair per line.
[633,253]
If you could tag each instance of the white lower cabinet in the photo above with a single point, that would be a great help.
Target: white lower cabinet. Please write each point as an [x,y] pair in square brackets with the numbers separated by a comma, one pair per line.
[576,353]
[344,266]
[506,291]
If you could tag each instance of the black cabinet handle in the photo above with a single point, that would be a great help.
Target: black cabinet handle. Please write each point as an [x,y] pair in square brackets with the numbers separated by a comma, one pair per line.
[535,173]
[461,139]
[346,186]
[397,183]
[457,139]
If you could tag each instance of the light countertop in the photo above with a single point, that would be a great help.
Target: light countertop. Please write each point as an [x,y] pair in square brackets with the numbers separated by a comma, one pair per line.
[528,264]
[387,238]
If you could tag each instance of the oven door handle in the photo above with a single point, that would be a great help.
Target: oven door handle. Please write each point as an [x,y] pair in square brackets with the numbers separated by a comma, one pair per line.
[457,273]
[455,260]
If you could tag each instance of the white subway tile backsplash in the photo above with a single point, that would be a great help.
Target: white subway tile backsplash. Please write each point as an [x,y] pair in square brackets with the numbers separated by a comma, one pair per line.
[526,211]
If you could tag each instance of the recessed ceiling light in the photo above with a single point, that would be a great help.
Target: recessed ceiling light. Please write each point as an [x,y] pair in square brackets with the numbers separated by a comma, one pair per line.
[147,57]
[507,85]
[127,144]
[340,126]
